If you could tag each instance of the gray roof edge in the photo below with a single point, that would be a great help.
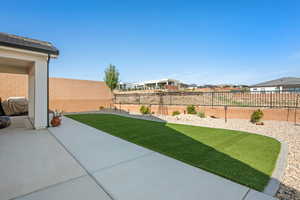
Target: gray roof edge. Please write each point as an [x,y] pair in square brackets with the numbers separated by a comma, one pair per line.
[279,82]
[24,43]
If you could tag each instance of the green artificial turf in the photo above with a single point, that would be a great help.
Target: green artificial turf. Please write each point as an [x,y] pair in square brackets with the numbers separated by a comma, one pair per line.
[246,158]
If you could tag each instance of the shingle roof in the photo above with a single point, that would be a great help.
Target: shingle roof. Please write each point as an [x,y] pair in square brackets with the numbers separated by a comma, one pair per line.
[15,41]
[285,81]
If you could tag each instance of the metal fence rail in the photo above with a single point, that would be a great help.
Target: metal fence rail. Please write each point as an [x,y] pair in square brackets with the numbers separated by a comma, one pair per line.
[280,99]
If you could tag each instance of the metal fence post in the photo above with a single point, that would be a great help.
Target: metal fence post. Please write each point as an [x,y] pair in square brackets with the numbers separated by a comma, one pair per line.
[139,98]
[295,118]
[225,107]
[269,99]
[212,99]
[271,103]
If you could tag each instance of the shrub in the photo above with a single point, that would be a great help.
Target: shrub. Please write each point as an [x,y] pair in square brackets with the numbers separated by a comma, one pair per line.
[145,110]
[201,114]
[256,116]
[191,109]
[176,112]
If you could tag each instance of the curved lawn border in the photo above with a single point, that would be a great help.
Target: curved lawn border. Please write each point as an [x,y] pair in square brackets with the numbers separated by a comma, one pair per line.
[278,172]
[274,182]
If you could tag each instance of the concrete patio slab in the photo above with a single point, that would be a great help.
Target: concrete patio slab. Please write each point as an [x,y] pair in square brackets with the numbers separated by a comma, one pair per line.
[19,122]
[31,160]
[78,189]
[95,149]
[74,162]
[158,177]
[254,195]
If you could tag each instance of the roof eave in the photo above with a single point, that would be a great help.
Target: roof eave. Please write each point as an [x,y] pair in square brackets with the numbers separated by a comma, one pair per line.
[51,52]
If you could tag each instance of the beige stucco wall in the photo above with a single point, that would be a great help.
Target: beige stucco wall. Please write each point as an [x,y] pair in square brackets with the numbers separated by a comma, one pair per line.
[12,85]
[69,95]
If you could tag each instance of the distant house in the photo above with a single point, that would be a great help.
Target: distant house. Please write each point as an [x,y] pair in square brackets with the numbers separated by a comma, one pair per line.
[126,86]
[154,84]
[192,86]
[161,84]
[286,83]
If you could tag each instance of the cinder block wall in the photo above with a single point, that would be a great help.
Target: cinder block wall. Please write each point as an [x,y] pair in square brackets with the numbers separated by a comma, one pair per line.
[73,95]
[13,85]
[69,95]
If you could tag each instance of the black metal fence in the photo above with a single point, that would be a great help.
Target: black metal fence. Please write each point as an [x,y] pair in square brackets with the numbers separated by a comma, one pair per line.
[278,99]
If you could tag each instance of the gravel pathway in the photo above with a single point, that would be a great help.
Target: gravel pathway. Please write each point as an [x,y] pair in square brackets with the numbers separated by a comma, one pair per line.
[283,131]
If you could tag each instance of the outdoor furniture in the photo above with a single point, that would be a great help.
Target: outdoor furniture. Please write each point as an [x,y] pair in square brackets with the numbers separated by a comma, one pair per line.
[1,109]
[4,122]
[15,106]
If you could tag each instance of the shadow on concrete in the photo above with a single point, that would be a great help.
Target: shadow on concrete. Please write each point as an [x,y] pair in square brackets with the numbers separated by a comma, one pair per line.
[171,142]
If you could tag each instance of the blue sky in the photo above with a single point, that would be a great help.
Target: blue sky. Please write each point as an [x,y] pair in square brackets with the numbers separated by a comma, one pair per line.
[203,42]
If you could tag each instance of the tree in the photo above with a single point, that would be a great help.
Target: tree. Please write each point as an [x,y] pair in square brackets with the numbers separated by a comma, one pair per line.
[111,77]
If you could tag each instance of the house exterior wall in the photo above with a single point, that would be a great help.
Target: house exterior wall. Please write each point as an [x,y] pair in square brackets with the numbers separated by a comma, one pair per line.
[273,89]
[29,93]
[34,64]
[40,94]
[265,89]
[292,87]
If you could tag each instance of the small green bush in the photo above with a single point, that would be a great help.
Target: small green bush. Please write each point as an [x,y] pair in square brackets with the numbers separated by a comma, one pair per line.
[176,112]
[256,116]
[191,109]
[201,114]
[145,110]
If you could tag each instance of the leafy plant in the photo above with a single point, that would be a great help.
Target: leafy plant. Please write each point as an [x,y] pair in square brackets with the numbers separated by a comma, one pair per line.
[176,112]
[111,77]
[256,116]
[145,110]
[201,114]
[57,113]
[191,109]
